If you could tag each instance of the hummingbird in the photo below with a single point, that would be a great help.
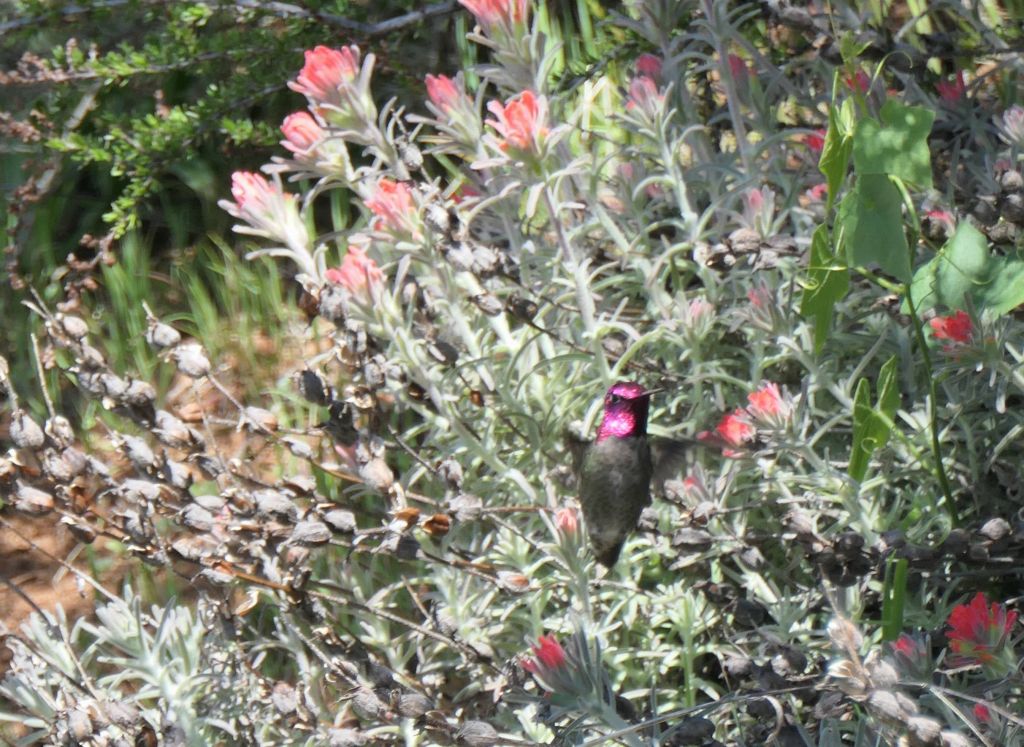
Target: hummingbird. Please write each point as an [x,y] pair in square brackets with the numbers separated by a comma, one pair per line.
[616,469]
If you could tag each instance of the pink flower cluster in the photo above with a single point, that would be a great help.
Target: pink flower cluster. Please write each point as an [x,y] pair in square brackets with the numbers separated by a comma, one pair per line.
[956,328]
[338,89]
[979,632]
[358,274]
[767,406]
[268,211]
[504,15]
[395,209]
[521,122]
[644,95]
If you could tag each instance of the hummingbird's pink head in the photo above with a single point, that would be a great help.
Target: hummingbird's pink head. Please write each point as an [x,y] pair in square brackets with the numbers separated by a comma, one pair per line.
[625,411]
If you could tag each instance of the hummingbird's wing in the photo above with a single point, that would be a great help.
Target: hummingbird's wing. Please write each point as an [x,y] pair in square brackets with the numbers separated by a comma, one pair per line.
[668,455]
[576,444]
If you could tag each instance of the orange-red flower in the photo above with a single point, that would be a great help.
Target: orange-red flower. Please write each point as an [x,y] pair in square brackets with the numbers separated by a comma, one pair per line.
[520,121]
[816,140]
[644,95]
[733,431]
[978,631]
[567,521]
[768,404]
[393,204]
[443,92]
[326,70]
[956,327]
[649,65]
[982,713]
[859,82]
[358,273]
[301,132]
[549,656]
[492,13]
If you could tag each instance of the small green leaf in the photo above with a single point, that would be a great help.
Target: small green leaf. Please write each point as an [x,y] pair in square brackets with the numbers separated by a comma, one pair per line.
[872,426]
[897,146]
[871,221]
[835,156]
[827,282]
[862,415]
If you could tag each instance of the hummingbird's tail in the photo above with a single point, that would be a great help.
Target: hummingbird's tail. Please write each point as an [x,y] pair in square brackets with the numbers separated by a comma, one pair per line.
[608,556]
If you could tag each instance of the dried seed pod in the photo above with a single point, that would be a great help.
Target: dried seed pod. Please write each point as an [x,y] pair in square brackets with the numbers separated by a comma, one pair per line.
[467,507]
[333,303]
[25,432]
[516,583]
[691,540]
[258,419]
[341,520]
[79,723]
[191,360]
[376,473]
[161,335]
[73,326]
[412,157]
[31,501]
[923,730]
[114,387]
[995,529]
[90,357]
[314,388]
[140,393]
[408,515]
[450,471]
[284,698]
[195,547]
[196,517]
[310,532]
[443,352]
[176,474]
[139,453]
[298,447]
[1011,181]
[521,308]
[1013,208]
[367,706]
[57,469]
[413,705]
[270,502]
[80,529]
[486,261]
[476,734]
[437,525]
[174,433]
[437,219]
[60,431]
[488,303]
[459,255]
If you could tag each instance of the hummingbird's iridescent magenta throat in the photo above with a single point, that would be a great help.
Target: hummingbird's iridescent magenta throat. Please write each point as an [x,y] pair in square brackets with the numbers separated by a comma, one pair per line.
[625,412]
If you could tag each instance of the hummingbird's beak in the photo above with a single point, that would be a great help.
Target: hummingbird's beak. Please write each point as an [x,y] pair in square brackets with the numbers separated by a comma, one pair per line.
[656,390]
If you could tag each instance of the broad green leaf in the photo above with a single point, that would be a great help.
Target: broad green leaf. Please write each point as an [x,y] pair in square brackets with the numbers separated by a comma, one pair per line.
[827,282]
[897,146]
[964,268]
[872,224]
[835,156]
[1004,290]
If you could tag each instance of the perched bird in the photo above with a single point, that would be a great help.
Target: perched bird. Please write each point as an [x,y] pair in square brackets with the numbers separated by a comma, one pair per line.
[615,471]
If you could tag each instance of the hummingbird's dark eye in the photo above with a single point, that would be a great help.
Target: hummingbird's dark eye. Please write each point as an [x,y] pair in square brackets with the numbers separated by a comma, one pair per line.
[614,399]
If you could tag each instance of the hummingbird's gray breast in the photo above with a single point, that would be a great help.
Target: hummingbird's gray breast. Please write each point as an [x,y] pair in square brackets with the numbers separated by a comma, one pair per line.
[614,489]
